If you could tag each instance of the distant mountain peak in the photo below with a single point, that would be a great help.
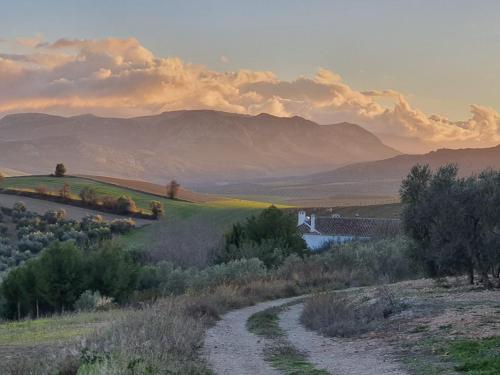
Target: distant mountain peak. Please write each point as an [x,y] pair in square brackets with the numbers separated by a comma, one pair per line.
[188,144]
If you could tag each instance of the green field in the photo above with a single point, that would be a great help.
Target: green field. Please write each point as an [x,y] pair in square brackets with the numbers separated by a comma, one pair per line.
[220,213]
[173,208]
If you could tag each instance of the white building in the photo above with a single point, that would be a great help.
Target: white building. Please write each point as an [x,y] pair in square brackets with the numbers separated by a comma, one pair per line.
[319,231]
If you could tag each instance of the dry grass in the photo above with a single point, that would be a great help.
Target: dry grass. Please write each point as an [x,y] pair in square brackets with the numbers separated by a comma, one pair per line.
[339,314]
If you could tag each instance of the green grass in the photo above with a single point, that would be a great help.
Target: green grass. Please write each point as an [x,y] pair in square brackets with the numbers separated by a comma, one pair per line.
[265,323]
[290,361]
[220,213]
[281,354]
[477,357]
[54,329]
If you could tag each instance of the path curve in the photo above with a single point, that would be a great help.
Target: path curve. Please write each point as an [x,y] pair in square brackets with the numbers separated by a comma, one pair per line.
[230,349]
[338,356]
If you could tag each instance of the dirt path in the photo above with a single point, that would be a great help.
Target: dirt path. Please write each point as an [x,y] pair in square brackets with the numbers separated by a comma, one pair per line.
[338,356]
[231,350]
[41,206]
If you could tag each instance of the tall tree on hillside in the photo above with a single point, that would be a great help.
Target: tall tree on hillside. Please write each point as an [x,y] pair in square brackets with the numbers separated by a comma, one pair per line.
[173,189]
[60,170]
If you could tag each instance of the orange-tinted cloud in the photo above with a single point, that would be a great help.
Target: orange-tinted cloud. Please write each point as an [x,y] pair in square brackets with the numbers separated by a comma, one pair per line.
[120,77]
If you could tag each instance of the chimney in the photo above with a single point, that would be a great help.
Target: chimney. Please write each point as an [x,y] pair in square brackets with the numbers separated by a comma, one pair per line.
[302,218]
[313,222]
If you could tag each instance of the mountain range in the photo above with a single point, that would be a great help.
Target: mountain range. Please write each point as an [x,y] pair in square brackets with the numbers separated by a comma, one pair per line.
[191,146]
[375,179]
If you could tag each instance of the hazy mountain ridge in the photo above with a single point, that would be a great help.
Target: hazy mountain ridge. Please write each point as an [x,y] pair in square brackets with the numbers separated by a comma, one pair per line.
[469,160]
[189,145]
[375,179]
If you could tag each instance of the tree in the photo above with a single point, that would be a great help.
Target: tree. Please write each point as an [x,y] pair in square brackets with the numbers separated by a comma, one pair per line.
[112,271]
[60,170]
[65,192]
[173,189]
[156,208]
[271,237]
[2,177]
[454,222]
[88,195]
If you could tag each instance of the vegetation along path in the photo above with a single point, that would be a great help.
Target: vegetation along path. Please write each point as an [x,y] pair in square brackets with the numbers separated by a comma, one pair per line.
[337,356]
[231,349]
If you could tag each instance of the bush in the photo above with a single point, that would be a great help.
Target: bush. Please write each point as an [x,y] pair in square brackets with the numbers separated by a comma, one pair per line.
[88,301]
[54,216]
[121,226]
[156,208]
[125,205]
[19,207]
[337,314]
[88,195]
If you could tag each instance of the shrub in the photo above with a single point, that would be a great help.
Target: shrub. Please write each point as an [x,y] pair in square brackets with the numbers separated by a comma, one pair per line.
[54,216]
[88,301]
[337,314]
[125,205]
[3,230]
[88,195]
[19,207]
[109,203]
[122,226]
[156,208]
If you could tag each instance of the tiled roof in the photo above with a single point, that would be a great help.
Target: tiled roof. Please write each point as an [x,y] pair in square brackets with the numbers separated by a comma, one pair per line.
[357,227]
[304,228]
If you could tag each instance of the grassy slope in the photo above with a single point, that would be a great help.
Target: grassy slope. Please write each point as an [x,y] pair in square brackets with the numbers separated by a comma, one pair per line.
[221,212]
[54,329]
[173,208]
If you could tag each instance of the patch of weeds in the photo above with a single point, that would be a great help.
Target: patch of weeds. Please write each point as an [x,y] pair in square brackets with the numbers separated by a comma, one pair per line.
[280,353]
[422,365]
[291,361]
[477,357]
[419,329]
[445,327]
[266,323]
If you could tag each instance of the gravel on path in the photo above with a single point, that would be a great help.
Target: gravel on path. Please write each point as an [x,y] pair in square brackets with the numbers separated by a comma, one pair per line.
[231,349]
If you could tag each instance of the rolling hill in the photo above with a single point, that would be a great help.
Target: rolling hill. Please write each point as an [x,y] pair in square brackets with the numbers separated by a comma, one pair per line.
[190,146]
[372,180]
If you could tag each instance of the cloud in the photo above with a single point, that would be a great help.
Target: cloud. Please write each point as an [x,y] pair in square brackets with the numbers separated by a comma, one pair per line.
[120,77]
[224,60]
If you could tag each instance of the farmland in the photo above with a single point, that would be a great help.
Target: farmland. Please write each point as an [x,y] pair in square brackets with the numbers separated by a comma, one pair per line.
[219,212]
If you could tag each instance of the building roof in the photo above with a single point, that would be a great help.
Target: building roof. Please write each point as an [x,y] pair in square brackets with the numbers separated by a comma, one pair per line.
[353,227]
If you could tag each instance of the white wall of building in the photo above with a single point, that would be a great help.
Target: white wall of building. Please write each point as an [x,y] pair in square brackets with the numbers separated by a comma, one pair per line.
[317,241]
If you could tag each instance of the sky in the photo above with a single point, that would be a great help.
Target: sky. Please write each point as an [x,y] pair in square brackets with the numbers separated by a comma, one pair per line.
[403,69]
